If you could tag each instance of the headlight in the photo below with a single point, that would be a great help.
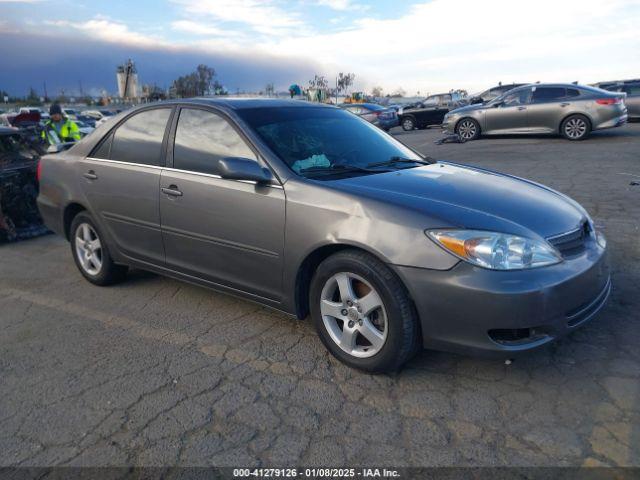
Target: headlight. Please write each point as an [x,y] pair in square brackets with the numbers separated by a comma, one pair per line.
[496,251]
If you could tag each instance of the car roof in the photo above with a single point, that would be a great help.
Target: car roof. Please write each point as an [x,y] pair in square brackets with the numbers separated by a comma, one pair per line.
[244,103]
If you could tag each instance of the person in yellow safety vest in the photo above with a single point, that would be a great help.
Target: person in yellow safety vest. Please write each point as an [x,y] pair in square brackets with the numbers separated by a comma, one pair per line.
[59,129]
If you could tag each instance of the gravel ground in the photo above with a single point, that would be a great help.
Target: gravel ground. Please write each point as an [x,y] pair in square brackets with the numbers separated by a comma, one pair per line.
[158,372]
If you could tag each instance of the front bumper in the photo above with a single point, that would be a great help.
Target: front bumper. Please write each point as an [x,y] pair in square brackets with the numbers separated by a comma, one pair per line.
[473,310]
[388,123]
[449,125]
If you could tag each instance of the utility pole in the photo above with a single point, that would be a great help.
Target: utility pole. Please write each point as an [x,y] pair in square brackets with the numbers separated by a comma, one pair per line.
[46,97]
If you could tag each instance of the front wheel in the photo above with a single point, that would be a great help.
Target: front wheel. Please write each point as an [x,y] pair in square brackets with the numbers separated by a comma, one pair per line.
[408,124]
[575,127]
[468,129]
[363,313]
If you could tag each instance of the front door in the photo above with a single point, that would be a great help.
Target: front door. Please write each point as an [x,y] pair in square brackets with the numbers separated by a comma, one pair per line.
[121,180]
[224,231]
[510,115]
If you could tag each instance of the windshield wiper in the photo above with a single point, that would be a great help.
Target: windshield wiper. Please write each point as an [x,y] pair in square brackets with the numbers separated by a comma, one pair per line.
[341,168]
[396,160]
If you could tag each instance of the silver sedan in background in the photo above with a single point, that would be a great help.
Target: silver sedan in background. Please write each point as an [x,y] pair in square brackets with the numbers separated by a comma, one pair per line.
[571,110]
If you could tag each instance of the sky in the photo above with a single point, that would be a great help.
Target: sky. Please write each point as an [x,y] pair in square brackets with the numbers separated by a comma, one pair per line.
[419,46]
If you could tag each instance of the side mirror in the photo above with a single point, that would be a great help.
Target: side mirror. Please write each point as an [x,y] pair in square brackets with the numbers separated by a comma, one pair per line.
[235,168]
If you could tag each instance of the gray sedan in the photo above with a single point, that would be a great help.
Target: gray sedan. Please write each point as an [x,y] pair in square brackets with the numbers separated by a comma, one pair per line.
[571,110]
[309,209]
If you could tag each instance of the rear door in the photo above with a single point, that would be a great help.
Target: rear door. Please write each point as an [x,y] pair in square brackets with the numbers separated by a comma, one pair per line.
[121,181]
[633,99]
[549,106]
[228,232]
[510,116]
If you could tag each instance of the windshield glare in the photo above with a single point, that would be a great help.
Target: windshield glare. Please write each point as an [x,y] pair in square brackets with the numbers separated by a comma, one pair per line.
[311,139]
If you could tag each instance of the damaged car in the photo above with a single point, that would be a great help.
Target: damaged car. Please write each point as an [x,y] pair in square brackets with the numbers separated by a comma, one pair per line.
[19,215]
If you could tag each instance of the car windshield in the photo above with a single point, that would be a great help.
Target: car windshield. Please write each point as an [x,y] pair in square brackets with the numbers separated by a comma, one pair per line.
[326,142]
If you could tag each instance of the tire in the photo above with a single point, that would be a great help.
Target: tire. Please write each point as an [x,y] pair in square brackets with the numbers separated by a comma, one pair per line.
[468,129]
[575,127]
[92,257]
[375,305]
[408,124]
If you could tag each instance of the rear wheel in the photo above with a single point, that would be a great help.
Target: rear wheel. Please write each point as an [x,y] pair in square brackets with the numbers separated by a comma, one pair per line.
[362,312]
[575,127]
[408,124]
[468,129]
[91,254]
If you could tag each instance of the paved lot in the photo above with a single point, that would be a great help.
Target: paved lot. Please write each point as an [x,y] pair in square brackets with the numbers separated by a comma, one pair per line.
[158,372]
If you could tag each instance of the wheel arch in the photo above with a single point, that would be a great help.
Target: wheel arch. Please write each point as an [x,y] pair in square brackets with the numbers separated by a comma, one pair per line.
[70,212]
[308,267]
[571,114]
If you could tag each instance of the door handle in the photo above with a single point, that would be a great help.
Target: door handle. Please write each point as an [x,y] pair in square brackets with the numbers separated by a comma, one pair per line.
[172,191]
[90,175]
[522,108]
[564,104]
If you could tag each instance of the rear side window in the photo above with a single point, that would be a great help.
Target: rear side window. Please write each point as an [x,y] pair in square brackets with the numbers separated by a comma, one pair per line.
[104,149]
[139,138]
[202,139]
[548,94]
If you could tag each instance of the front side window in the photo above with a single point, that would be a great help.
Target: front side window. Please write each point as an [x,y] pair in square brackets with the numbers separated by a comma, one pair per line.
[325,142]
[203,138]
[548,94]
[520,97]
[139,138]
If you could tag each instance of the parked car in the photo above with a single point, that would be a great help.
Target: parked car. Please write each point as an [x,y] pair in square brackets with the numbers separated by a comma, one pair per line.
[430,111]
[493,92]
[70,113]
[84,128]
[632,100]
[44,115]
[307,208]
[383,117]
[19,216]
[571,110]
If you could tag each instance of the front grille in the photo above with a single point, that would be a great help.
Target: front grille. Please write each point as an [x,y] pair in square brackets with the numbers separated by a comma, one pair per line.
[573,242]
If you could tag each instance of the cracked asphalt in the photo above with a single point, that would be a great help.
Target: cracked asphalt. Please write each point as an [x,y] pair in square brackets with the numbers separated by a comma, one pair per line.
[154,372]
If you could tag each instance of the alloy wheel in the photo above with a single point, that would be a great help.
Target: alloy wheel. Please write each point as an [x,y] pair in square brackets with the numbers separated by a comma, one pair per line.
[575,128]
[407,124]
[354,315]
[88,249]
[467,129]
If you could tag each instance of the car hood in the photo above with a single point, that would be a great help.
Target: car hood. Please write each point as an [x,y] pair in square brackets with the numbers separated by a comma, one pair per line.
[460,196]
[469,108]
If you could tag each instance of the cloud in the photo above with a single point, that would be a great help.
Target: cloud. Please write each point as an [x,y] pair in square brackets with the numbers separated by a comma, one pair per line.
[196,28]
[342,5]
[101,28]
[262,16]
[62,62]
[445,44]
